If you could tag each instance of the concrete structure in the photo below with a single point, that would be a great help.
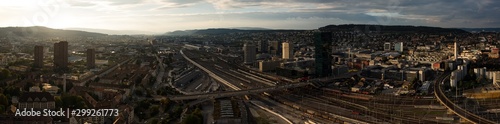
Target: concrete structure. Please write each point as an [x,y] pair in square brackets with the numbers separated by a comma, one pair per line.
[61,55]
[38,53]
[192,47]
[90,58]
[249,53]
[268,65]
[398,47]
[387,46]
[287,50]
[322,57]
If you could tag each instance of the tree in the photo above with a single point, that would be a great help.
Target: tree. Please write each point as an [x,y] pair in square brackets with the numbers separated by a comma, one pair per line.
[165,102]
[5,74]
[72,101]
[58,101]
[97,79]
[154,110]
[3,100]
[154,121]
[28,86]
[192,119]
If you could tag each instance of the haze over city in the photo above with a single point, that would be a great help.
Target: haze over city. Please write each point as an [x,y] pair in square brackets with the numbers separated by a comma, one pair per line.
[159,16]
[249,61]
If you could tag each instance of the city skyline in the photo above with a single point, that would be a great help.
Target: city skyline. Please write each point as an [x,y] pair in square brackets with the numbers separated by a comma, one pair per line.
[160,16]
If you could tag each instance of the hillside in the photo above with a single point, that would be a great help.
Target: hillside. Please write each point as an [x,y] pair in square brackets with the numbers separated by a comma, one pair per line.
[481,29]
[44,32]
[391,29]
[217,31]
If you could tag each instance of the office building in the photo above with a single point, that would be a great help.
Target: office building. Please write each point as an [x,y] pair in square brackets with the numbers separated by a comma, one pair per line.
[323,60]
[456,50]
[275,48]
[398,47]
[263,46]
[287,52]
[38,57]
[90,58]
[61,55]
[387,46]
[249,53]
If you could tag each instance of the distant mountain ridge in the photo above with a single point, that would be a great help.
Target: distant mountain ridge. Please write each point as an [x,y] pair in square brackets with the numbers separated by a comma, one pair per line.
[215,31]
[391,28]
[481,29]
[343,27]
[44,32]
[112,32]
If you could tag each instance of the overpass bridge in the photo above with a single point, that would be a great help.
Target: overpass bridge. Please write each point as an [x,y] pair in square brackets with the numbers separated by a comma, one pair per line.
[214,95]
[461,112]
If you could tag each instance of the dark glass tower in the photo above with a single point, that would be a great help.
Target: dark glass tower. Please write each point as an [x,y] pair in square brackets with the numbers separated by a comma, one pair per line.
[323,59]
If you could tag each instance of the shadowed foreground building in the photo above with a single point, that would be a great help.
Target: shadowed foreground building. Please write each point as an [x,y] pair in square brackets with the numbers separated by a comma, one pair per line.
[90,58]
[38,57]
[61,55]
[323,59]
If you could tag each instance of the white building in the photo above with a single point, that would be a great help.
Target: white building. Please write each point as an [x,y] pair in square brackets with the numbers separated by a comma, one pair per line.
[496,78]
[287,50]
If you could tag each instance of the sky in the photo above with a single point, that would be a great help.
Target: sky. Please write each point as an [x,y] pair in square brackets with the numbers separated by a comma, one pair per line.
[169,15]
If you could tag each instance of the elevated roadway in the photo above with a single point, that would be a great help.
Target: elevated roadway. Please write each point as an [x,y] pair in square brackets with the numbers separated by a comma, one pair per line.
[461,112]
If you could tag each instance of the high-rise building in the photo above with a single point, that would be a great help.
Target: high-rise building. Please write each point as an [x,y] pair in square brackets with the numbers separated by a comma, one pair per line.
[90,58]
[323,59]
[249,53]
[287,50]
[275,48]
[496,78]
[38,57]
[263,46]
[61,55]
[387,46]
[455,45]
[398,47]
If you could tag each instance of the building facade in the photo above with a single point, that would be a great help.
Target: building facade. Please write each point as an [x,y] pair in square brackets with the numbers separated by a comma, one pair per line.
[61,55]
[37,100]
[263,46]
[249,54]
[322,57]
[90,58]
[287,50]
[398,47]
[38,57]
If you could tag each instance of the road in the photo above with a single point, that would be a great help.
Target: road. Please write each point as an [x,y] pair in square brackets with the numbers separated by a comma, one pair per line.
[235,93]
[438,92]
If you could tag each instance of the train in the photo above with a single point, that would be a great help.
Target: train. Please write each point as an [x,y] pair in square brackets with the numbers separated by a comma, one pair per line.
[348,94]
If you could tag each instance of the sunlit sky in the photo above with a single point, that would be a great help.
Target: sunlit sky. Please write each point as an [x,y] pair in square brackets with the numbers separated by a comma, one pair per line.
[170,15]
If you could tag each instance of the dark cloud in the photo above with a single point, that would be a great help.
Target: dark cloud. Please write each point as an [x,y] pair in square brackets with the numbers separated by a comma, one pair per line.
[447,13]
